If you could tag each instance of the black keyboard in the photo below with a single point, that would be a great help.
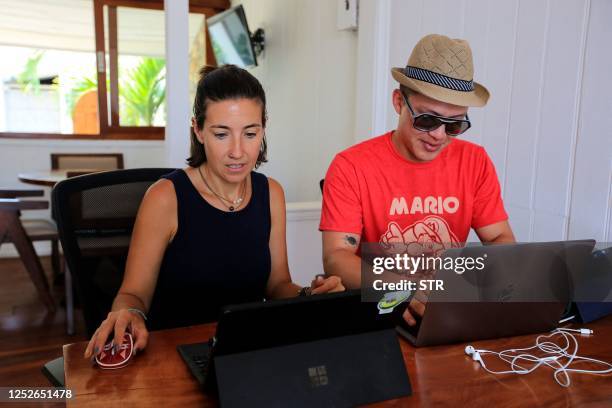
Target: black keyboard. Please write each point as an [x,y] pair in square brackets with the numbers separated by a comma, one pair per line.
[196,357]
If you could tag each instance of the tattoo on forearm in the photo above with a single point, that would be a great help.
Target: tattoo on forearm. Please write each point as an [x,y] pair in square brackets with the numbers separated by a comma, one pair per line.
[352,241]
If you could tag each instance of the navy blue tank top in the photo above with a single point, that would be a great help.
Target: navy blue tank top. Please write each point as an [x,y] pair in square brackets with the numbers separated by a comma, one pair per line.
[216,258]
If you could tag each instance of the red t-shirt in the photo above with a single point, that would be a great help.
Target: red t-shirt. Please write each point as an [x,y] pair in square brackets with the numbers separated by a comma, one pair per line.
[371,190]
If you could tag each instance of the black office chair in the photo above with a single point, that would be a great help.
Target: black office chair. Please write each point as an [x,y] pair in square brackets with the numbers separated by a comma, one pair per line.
[95,215]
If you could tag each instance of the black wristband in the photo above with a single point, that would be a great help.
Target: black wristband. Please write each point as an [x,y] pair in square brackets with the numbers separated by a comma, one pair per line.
[305,291]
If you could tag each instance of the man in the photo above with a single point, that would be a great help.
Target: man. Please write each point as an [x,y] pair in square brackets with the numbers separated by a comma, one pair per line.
[419,185]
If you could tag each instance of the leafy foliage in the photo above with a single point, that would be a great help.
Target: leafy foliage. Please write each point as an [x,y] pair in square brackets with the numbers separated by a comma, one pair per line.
[28,79]
[142,91]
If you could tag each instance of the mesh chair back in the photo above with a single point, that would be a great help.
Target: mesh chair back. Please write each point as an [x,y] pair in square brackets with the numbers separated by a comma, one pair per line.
[95,215]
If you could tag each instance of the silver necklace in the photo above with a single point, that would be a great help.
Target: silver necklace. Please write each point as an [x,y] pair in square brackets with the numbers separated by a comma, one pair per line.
[233,204]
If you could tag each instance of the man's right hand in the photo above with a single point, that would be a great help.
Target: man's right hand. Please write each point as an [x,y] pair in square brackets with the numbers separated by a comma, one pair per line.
[117,323]
[416,307]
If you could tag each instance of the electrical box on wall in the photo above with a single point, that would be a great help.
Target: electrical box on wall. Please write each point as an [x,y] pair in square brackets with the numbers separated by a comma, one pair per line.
[347,14]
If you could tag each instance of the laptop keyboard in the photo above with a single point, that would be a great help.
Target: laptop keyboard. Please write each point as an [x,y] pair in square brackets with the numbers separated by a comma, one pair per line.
[196,356]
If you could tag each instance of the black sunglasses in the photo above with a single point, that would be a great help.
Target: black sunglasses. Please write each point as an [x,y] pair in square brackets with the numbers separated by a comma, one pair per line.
[426,122]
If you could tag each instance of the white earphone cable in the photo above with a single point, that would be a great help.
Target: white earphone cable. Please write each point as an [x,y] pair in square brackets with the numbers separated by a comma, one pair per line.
[556,353]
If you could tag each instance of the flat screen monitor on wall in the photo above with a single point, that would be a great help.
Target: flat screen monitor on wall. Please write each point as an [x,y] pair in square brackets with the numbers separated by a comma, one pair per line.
[231,38]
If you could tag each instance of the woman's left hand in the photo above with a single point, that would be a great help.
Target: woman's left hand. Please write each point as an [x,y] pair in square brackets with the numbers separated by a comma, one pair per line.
[326,285]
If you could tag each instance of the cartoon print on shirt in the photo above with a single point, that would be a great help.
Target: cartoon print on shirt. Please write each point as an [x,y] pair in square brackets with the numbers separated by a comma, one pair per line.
[429,236]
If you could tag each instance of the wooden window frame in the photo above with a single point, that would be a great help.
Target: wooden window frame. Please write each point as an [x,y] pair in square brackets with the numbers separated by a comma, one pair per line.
[114,131]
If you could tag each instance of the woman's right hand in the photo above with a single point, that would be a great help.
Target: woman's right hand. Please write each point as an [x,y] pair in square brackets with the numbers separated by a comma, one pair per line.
[117,323]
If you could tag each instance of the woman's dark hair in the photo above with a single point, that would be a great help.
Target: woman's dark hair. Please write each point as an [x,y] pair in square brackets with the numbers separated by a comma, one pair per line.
[219,84]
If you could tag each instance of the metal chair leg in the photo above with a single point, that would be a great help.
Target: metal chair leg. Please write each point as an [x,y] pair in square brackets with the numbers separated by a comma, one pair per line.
[69,300]
[56,260]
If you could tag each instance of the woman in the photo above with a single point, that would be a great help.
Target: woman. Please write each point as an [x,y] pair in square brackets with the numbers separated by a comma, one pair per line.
[211,234]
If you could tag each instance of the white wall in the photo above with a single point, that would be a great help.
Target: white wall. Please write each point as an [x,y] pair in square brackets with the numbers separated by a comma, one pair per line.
[548,124]
[30,112]
[308,71]
[591,205]
[177,82]
[304,248]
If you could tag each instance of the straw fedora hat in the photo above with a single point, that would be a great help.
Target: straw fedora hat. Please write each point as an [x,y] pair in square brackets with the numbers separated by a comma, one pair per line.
[442,68]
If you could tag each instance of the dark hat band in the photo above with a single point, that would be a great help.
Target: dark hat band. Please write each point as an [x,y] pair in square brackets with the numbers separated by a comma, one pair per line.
[439,79]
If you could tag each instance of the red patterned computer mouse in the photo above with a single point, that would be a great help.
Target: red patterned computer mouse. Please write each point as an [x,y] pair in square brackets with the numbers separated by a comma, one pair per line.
[116,357]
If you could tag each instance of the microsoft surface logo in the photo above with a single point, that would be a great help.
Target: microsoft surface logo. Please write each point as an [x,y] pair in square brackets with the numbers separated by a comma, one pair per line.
[318,376]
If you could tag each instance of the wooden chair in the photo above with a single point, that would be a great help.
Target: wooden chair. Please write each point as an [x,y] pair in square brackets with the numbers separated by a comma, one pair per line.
[22,233]
[89,161]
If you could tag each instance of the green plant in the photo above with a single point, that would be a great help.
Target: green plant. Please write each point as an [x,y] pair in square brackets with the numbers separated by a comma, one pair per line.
[142,91]
[28,78]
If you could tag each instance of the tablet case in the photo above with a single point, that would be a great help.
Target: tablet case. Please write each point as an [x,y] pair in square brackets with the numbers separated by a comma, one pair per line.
[340,372]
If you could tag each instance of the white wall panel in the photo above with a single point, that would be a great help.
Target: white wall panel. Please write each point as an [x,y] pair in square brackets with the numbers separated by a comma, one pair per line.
[431,18]
[452,20]
[406,23]
[304,248]
[591,208]
[524,125]
[335,120]
[562,77]
[548,227]
[521,220]
[500,52]
[370,107]
[476,29]
[178,110]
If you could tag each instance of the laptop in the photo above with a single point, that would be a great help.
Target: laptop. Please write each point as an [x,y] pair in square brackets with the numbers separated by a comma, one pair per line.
[323,350]
[523,288]
[593,293]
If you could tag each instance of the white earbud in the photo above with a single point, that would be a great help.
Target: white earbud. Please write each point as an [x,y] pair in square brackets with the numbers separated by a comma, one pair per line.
[471,351]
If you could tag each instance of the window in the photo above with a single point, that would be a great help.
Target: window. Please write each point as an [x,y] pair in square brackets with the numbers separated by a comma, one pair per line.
[91,68]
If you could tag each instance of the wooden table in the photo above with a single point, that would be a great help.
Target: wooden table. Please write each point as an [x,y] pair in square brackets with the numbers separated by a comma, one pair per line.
[441,375]
[50,178]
